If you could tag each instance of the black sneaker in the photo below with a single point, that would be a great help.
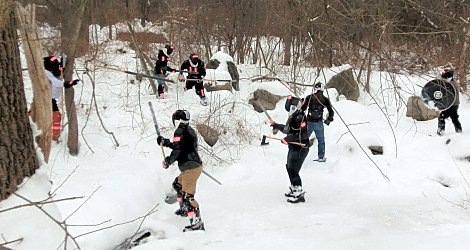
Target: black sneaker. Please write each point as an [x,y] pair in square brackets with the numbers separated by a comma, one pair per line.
[290,193]
[297,199]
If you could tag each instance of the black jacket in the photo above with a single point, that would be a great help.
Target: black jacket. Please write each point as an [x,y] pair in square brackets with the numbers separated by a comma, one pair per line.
[315,104]
[200,69]
[295,128]
[184,147]
[161,65]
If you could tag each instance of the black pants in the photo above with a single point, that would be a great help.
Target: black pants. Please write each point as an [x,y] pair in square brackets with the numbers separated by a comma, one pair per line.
[54,105]
[199,84]
[454,116]
[295,159]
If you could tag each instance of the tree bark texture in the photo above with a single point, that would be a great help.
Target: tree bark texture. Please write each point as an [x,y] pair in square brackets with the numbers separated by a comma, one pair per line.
[41,108]
[71,23]
[17,154]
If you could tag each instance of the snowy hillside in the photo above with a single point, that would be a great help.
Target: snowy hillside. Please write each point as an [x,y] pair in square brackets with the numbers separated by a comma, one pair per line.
[349,204]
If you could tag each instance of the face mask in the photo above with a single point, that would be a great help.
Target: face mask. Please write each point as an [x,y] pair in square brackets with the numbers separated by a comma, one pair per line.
[177,123]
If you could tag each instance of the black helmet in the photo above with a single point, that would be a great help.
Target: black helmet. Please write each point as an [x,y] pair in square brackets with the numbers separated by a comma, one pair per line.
[52,64]
[193,58]
[292,103]
[180,115]
[169,48]
[319,87]
[447,72]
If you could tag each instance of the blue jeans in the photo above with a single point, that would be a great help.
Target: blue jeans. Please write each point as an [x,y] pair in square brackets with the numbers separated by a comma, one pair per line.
[319,130]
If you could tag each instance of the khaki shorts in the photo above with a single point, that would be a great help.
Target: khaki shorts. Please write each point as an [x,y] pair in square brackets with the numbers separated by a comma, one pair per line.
[188,180]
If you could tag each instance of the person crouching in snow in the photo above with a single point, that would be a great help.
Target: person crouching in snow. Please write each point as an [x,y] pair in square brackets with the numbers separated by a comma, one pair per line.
[184,151]
[53,70]
[298,143]
[196,72]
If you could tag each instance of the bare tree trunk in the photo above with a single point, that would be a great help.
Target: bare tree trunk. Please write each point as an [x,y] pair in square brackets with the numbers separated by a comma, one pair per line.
[463,59]
[71,22]
[41,108]
[287,49]
[141,58]
[144,11]
[17,154]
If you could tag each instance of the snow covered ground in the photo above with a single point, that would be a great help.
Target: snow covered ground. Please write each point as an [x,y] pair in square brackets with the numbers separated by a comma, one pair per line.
[349,204]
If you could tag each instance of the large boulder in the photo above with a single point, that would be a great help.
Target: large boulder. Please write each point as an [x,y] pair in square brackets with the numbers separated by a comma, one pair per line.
[265,98]
[345,84]
[232,69]
[416,109]
[222,65]
[209,135]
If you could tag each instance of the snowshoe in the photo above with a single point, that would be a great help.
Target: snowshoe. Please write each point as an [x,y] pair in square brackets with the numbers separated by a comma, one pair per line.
[194,227]
[320,160]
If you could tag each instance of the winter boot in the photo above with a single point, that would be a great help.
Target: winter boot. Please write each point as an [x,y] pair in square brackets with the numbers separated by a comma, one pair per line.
[195,222]
[290,193]
[298,195]
[458,128]
[183,210]
[441,126]
[56,118]
[204,101]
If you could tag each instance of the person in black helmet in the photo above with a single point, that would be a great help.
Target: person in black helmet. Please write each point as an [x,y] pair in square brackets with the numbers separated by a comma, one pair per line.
[196,72]
[316,103]
[53,69]
[297,141]
[184,151]
[452,112]
[161,67]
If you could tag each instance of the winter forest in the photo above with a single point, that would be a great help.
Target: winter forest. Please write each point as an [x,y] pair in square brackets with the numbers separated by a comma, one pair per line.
[235,124]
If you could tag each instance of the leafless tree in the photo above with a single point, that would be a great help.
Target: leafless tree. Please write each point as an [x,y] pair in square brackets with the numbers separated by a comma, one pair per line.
[17,153]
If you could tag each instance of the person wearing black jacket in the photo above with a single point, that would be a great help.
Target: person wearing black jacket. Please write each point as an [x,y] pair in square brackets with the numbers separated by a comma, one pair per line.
[196,72]
[316,103]
[184,151]
[297,141]
[452,112]
[161,67]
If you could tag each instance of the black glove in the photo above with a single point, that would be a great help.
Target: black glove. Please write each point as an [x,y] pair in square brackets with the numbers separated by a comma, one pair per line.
[328,120]
[71,83]
[164,141]
[166,162]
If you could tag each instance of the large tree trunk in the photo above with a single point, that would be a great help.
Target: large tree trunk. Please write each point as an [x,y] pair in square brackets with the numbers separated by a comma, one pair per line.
[41,108]
[17,154]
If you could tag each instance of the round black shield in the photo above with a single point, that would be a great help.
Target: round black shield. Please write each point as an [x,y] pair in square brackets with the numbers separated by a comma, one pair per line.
[438,94]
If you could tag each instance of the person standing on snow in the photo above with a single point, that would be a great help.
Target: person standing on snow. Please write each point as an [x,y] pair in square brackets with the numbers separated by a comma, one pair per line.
[297,141]
[316,103]
[161,67]
[53,69]
[196,72]
[185,151]
[448,74]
